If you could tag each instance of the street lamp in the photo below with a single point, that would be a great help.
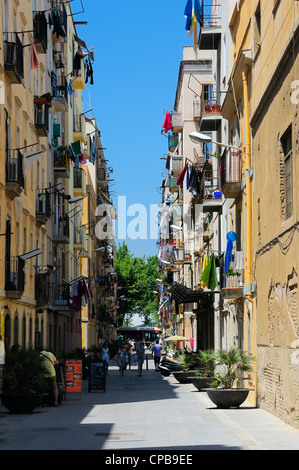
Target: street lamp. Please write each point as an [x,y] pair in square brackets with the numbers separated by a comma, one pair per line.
[199,137]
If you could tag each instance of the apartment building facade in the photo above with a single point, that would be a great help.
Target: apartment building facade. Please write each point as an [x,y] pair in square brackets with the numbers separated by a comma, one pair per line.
[253,234]
[48,285]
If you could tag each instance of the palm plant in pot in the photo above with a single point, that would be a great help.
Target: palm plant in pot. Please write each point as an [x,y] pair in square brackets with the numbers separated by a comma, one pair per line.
[226,389]
[188,362]
[23,380]
[205,369]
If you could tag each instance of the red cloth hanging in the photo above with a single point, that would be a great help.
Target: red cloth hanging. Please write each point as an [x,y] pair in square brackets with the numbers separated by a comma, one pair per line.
[34,57]
[167,122]
[182,175]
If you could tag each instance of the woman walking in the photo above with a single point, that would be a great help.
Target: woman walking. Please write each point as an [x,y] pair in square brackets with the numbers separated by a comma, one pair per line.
[106,356]
[140,357]
[121,360]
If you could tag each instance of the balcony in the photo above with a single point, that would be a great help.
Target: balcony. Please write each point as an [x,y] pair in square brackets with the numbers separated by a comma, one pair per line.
[210,118]
[43,206]
[210,30]
[174,165]
[231,175]
[210,196]
[79,128]
[78,81]
[101,176]
[81,239]
[173,141]
[42,289]
[59,20]
[15,278]
[178,255]
[13,58]
[14,173]
[40,31]
[173,187]
[61,296]
[61,229]
[177,123]
[41,117]
[79,182]
[60,93]
[61,162]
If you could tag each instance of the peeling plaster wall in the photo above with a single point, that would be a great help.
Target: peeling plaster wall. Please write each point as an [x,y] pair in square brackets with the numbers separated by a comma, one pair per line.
[278,338]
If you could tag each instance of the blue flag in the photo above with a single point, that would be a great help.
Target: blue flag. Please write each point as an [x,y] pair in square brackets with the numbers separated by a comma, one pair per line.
[188,14]
[198,9]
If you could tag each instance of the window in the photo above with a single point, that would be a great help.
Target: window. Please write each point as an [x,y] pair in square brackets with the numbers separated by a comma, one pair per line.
[286,143]
[257,29]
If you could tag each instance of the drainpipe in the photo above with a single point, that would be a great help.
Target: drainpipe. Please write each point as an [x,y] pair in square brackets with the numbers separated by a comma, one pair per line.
[248,179]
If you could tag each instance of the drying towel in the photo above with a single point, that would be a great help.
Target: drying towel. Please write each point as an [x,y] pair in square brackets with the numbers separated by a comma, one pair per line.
[209,275]
[167,122]
[34,58]
[204,265]
[182,175]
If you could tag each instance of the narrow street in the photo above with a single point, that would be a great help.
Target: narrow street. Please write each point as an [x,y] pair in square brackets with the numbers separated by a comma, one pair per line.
[148,413]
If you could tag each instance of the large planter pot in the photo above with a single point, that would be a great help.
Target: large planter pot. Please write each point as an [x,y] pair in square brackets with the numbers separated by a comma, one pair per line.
[227,398]
[23,403]
[201,382]
[184,377]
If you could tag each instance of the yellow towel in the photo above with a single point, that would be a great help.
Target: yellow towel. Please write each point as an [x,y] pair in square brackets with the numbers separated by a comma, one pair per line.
[204,264]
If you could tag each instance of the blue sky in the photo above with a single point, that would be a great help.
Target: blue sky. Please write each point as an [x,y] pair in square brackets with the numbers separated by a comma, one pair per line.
[138,46]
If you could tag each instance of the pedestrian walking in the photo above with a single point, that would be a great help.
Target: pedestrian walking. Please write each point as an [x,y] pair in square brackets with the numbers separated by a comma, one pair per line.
[129,356]
[106,356]
[140,357]
[157,349]
[121,360]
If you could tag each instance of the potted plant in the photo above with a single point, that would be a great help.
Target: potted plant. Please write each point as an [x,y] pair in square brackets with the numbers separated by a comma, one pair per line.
[205,369]
[231,277]
[23,382]
[226,388]
[188,362]
[46,99]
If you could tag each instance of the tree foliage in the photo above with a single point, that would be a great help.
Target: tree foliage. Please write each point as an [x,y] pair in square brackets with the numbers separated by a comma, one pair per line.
[136,276]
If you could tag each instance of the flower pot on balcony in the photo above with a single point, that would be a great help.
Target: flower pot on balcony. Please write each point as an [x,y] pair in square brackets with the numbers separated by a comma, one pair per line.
[216,108]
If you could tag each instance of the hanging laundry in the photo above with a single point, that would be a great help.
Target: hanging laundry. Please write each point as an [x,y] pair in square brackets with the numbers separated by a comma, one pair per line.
[70,88]
[83,158]
[93,150]
[194,182]
[188,14]
[209,275]
[89,71]
[167,123]
[182,175]
[187,178]
[34,58]
[204,265]
[57,24]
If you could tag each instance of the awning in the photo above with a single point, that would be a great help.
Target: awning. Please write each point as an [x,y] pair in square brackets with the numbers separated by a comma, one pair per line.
[184,294]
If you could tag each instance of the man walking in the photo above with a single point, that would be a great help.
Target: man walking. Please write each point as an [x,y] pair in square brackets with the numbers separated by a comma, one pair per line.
[157,348]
